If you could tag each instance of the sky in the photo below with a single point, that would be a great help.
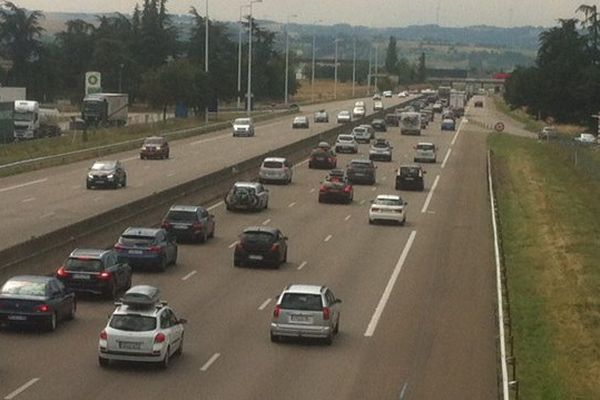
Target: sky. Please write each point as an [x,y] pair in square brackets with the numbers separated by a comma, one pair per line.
[375,13]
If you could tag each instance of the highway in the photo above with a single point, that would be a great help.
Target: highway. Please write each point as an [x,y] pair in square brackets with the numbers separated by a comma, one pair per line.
[42,201]
[417,317]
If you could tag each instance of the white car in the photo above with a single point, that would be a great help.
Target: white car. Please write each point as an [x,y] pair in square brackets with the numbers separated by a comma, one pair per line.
[378,106]
[142,328]
[359,103]
[344,116]
[387,93]
[388,207]
[359,112]
[275,169]
[346,144]
[362,134]
[243,127]
[586,138]
[425,152]
[403,94]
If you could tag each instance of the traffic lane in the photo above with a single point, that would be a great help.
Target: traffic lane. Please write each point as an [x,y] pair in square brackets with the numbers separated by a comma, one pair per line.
[209,285]
[443,305]
[59,197]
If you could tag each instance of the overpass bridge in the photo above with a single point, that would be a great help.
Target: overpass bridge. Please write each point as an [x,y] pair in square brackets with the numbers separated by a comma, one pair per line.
[476,83]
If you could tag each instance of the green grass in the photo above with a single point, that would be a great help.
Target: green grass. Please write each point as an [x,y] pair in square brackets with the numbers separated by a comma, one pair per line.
[529,123]
[550,228]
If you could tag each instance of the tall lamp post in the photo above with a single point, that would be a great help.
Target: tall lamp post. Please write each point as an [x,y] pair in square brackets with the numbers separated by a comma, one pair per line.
[369,74]
[353,66]
[287,56]
[376,65]
[206,56]
[312,70]
[335,69]
[239,74]
[249,94]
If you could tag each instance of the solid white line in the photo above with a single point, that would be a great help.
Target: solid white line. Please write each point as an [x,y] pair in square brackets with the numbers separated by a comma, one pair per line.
[197,142]
[362,202]
[302,265]
[47,215]
[312,190]
[232,245]
[6,189]
[348,217]
[171,174]
[21,389]
[210,361]
[505,394]
[328,238]
[264,304]
[188,276]
[403,392]
[430,195]
[215,205]
[292,204]
[390,286]
[457,131]
[446,158]
[27,200]
[266,221]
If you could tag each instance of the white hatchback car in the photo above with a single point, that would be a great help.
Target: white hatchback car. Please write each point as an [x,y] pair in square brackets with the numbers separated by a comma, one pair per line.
[425,152]
[142,328]
[346,144]
[275,169]
[344,116]
[243,127]
[359,112]
[388,207]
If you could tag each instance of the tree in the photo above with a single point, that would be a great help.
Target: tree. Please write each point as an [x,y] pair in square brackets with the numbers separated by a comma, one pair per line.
[592,23]
[391,57]
[76,46]
[421,69]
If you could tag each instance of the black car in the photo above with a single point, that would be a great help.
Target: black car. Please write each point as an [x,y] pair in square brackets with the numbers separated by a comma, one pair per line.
[147,246]
[106,174]
[322,159]
[36,301]
[189,223]
[95,272]
[361,171]
[260,245]
[379,125]
[392,120]
[410,177]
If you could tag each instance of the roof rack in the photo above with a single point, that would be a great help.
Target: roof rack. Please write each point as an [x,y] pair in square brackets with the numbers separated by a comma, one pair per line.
[142,297]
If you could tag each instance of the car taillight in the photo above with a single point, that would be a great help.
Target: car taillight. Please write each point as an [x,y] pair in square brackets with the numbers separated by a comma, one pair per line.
[347,189]
[155,249]
[165,224]
[119,247]
[62,273]
[239,246]
[42,308]
[106,275]
[276,311]
[103,335]
[376,209]
[198,225]
[323,188]
[326,313]
[275,247]
[160,338]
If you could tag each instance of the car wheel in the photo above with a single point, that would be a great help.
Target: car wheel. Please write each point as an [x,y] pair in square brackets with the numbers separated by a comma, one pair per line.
[236,263]
[167,156]
[212,233]
[124,183]
[285,257]
[162,266]
[336,330]
[267,204]
[371,222]
[164,364]
[141,157]
[320,199]
[403,222]
[174,260]
[87,185]
[310,166]
[52,322]
[128,284]
[179,351]
[71,314]
[275,338]
[104,362]
[203,237]
[113,292]
[329,339]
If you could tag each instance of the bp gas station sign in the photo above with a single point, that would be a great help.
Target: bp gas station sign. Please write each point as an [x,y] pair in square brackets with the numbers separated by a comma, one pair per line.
[93,82]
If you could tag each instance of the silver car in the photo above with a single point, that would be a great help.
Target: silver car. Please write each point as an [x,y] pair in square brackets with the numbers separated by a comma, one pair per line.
[243,127]
[381,150]
[362,134]
[275,169]
[344,116]
[247,196]
[359,112]
[346,144]
[310,311]
[425,152]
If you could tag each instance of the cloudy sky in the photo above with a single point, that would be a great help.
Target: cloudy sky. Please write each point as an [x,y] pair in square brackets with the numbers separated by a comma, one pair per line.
[380,13]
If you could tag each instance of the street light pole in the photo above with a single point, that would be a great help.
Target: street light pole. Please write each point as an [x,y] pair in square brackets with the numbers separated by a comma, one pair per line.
[312,70]
[353,65]
[369,74]
[121,77]
[249,94]
[335,69]
[376,66]
[239,76]
[287,57]
[206,56]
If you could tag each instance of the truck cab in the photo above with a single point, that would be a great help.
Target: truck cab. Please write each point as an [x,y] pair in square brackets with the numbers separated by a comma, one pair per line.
[26,119]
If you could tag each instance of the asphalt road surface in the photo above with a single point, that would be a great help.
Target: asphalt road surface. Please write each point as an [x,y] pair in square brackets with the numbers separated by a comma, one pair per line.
[43,201]
[417,317]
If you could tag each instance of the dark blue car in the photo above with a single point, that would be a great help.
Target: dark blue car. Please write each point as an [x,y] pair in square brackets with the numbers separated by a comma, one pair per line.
[147,247]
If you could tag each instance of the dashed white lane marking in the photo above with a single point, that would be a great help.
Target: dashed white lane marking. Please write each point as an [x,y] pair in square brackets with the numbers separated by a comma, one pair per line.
[328,238]
[312,190]
[384,178]
[430,195]
[22,185]
[292,204]
[188,276]
[457,132]
[97,198]
[347,217]
[362,202]
[446,158]
[302,265]
[48,215]
[219,204]
[197,142]
[302,162]
[264,304]
[146,167]
[131,158]
[28,200]
[390,286]
[232,245]
[373,189]
[170,174]
[210,362]
[21,389]
[403,391]
[266,221]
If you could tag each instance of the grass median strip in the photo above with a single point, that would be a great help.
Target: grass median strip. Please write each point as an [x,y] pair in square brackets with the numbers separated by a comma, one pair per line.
[550,228]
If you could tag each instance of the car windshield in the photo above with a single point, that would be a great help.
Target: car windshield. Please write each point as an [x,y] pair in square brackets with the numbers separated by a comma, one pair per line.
[242,121]
[258,237]
[301,301]
[239,190]
[389,202]
[83,264]
[181,215]
[103,166]
[344,113]
[133,323]
[320,152]
[135,240]
[272,164]
[428,147]
[154,142]
[24,288]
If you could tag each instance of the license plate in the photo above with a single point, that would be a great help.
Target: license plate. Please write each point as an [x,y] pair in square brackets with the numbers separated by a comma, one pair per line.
[409,179]
[17,318]
[136,252]
[180,227]
[255,257]
[130,345]
[81,276]
[300,318]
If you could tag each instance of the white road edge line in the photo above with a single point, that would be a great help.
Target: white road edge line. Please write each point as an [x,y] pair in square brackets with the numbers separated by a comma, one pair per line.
[266,221]
[446,158]
[215,205]
[232,245]
[328,238]
[21,389]
[264,304]
[302,265]
[6,189]
[47,215]
[403,391]
[210,362]
[312,190]
[348,217]
[390,286]
[505,393]
[27,200]
[302,162]
[292,204]
[188,276]
[458,131]
[430,195]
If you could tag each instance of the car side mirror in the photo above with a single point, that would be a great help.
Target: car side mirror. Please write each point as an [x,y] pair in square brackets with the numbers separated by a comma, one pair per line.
[285,238]
[406,203]
[372,201]
[182,321]
[212,215]
[338,301]
[424,172]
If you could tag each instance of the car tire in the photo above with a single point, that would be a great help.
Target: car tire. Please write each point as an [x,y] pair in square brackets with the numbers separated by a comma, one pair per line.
[113,292]
[403,222]
[203,237]
[336,330]
[320,199]
[51,322]
[212,233]
[174,261]
[371,222]
[162,266]
[124,183]
[329,339]
[104,362]
[275,338]
[72,310]
[88,186]
[266,204]
[310,166]
[236,263]
[179,351]
[285,256]
[164,364]
[128,284]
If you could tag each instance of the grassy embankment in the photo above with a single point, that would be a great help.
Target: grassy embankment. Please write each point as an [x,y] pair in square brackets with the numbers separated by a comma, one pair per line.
[550,219]
[323,91]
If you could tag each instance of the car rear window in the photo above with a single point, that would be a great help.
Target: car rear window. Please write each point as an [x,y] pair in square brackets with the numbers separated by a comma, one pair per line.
[130,240]
[272,164]
[425,147]
[388,202]
[182,216]
[242,121]
[83,264]
[258,237]
[360,130]
[133,323]
[24,288]
[380,145]
[301,301]
[359,165]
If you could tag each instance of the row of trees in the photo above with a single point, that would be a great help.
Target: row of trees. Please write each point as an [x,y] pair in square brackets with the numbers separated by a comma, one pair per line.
[564,83]
[406,71]
[143,55]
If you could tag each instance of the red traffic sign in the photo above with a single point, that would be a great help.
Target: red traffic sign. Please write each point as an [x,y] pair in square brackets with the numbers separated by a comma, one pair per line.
[499,127]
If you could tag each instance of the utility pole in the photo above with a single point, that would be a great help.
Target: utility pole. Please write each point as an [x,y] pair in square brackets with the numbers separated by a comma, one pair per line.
[287,57]
[369,74]
[206,56]
[353,66]
[312,70]
[239,76]
[249,94]
[376,65]
[335,69]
